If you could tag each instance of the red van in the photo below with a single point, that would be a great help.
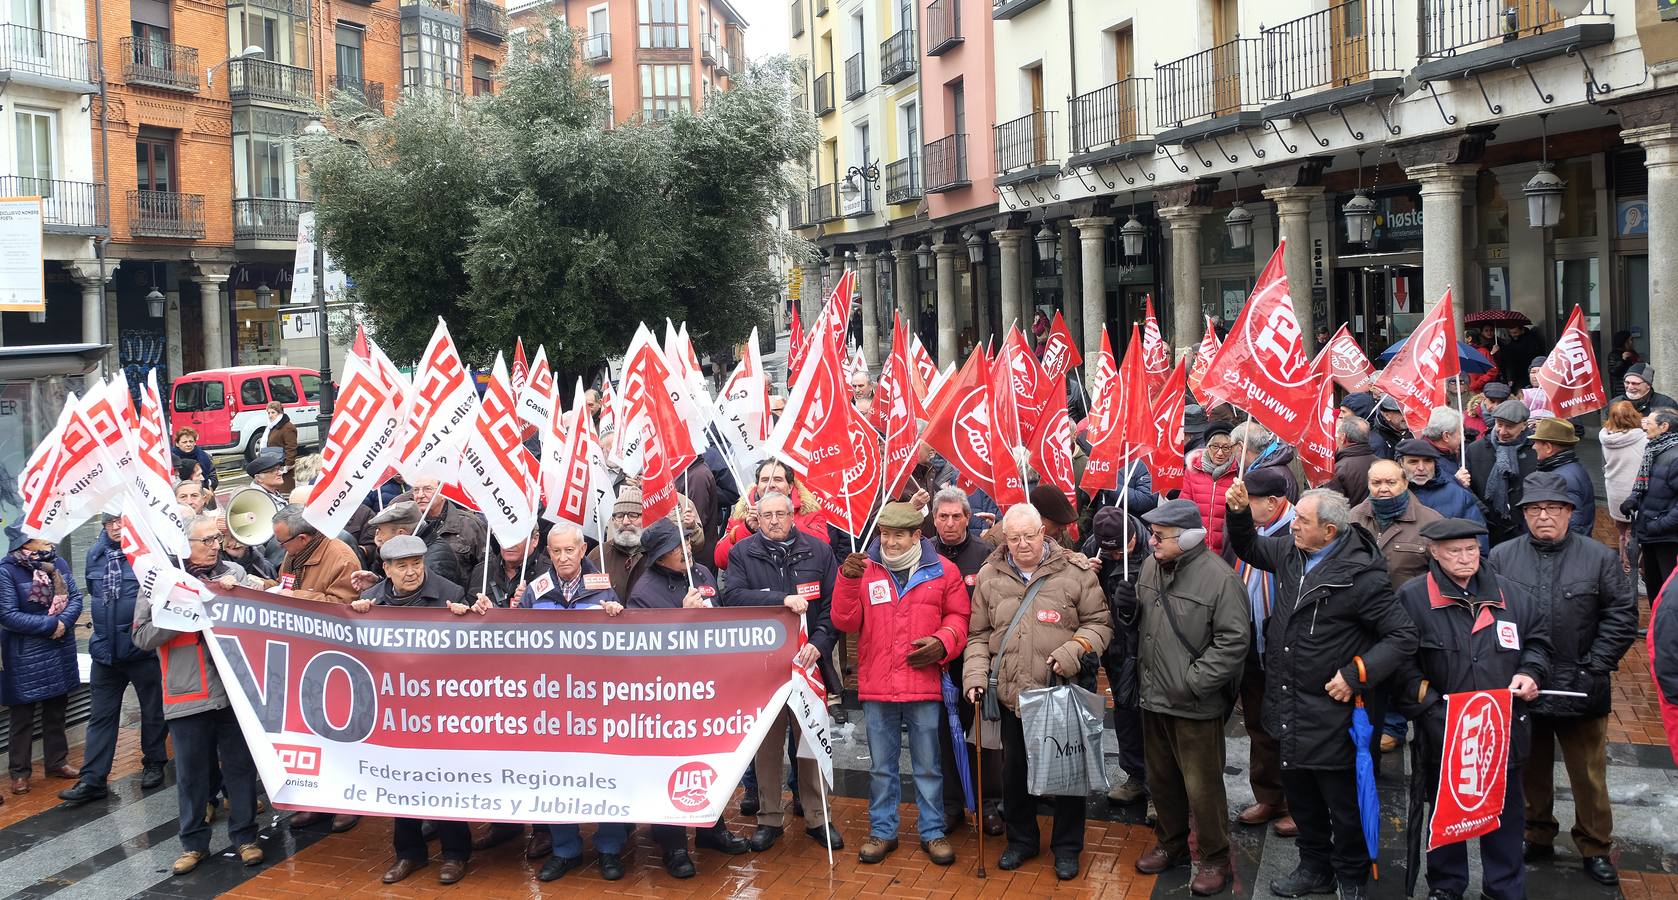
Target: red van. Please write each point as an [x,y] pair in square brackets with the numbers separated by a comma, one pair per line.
[229,407]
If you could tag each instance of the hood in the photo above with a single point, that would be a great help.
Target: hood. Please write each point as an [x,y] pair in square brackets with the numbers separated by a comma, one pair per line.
[1277,454]
[1619,440]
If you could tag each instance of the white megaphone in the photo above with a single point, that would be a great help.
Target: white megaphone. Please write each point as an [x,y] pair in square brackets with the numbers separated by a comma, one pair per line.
[250,516]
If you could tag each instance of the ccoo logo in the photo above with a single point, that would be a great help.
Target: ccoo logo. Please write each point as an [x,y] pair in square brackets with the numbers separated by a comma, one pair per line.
[690,786]
[299,759]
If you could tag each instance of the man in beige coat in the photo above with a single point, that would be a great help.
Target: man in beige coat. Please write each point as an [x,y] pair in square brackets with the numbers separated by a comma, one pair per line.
[1066,622]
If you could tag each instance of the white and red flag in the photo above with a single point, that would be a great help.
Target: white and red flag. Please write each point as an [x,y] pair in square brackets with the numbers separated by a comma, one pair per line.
[565,461]
[492,463]
[1203,356]
[1125,430]
[836,315]
[1474,764]
[651,417]
[1261,367]
[742,410]
[42,501]
[925,371]
[898,408]
[151,489]
[360,444]
[1156,355]
[822,438]
[1165,460]
[958,425]
[1347,363]
[796,341]
[1316,445]
[1417,374]
[1060,351]
[1570,376]
[521,368]
[533,397]
[83,476]
[686,385]
[441,410]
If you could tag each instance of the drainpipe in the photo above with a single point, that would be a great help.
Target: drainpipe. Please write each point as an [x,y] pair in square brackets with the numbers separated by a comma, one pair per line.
[104,165]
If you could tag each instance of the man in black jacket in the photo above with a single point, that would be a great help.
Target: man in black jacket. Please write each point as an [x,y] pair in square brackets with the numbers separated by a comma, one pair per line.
[781,565]
[1109,547]
[1476,632]
[1334,631]
[1497,464]
[1593,620]
[950,515]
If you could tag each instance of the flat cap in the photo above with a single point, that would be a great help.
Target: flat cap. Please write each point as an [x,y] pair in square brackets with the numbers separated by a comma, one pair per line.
[1513,411]
[1416,447]
[1194,419]
[1177,513]
[1389,403]
[1360,403]
[1496,390]
[628,503]
[1051,504]
[902,516]
[1537,362]
[402,512]
[1108,526]
[402,546]
[1545,487]
[1555,431]
[1452,529]
[265,460]
[1266,481]
[660,538]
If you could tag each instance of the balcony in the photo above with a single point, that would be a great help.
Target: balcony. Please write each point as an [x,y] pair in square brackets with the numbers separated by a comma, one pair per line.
[943,26]
[822,204]
[486,20]
[1111,122]
[1460,38]
[797,17]
[46,59]
[157,64]
[371,94]
[67,207]
[166,214]
[1345,54]
[897,57]
[903,180]
[1025,148]
[946,164]
[1219,89]
[855,86]
[263,220]
[795,213]
[1007,9]
[263,81]
[824,94]
[712,52]
[597,47]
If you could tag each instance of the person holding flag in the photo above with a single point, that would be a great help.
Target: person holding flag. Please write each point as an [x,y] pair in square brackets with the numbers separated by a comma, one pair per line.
[1478,631]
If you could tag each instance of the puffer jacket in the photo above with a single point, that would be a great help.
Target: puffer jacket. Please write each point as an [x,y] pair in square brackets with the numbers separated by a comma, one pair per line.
[1068,613]
[1592,608]
[1663,662]
[112,611]
[1656,518]
[890,617]
[36,665]
[1208,494]
[191,684]
[1285,460]
[1319,620]
[1209,604]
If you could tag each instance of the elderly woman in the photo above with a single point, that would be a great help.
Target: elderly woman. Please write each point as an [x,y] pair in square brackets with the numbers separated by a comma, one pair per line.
[1622,441]
[186,447]
[39,605]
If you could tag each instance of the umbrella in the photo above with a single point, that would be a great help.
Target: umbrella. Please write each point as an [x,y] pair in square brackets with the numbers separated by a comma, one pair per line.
[1369,805]
[1416,822]
[1501,318]
[966,776]
[1472,360]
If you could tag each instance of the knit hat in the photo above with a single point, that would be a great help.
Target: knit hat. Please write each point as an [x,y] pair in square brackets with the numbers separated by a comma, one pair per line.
[628,503]
[1643,371]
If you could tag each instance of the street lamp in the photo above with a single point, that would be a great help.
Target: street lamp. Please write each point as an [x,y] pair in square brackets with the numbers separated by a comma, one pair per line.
[850,261]
[264,296]
[154,303]
[1239,221]
[869,172]
[1359,212]
[975,247]
[923,255]
[250,52]
[1132,234]
[1047,243]
[1544,191]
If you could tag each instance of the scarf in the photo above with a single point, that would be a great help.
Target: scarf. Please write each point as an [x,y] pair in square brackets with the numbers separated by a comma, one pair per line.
[907,561]
[1557,460]
[1387,510]
[1654,448]
[1213,469]
[45,587]
[202,573]
[1504,467]
[295,561]
[113,575]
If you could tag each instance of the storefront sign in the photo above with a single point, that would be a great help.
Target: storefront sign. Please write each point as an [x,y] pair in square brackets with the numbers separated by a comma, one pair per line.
[1398,225]
[23,285]
[303,266]
[299,325]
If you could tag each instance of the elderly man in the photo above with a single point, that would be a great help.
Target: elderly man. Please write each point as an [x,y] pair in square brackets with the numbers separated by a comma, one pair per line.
[891,598]
[1444,432]
[1497,464]
[1640,390]
[1388,427]
[1478,632]
[1352,458]
[1335,631]
[267,470]
[951,516]
[1448,496]
[1196,628]
[625,563]
[192,495]
[1118,549]
[407,583]
[1593,619]
[315,567]
[781,565]
[1266,451]
[1272,514]
[1553,443]
[509,570]
[403,517]
[443,520]
[1069,621]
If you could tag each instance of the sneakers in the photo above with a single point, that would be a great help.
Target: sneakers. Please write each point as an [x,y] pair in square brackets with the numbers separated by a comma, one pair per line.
[876,849]
[939,850]
[250,854]
[1131,791]
[187,861]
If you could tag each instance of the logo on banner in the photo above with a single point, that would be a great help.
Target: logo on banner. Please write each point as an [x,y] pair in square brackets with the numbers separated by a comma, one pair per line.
[1507,637]
[1473,768]
[689,785]
[972,431]
[1280,340]
[1570,364]
[299,759]
[1482,746]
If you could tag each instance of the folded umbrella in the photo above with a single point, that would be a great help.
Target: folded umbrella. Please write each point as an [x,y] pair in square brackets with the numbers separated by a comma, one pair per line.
[1415,825]
[1369,803]
[951,696]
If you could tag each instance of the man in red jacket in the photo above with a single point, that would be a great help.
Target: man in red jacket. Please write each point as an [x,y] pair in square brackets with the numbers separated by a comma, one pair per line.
[909,608]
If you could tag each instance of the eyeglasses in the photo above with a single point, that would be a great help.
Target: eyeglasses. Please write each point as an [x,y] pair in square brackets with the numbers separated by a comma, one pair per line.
[1220,448]
[774,515]
[624,517]
[1025,540]
[1155,537]
[1549,509]
[210,541]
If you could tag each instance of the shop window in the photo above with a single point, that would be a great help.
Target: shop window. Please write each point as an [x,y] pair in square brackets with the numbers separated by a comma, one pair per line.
[1578,281]
[282,388]
[1578,204]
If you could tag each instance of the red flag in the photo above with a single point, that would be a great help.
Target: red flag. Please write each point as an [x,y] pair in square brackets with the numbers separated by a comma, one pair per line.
[795,347]
[1417,374]
[958,425]
[1474,766]
[1007,436]
[666,446]
[521,368]
[1347,363]
[1570,376]
[1261,367]
[821,437]
[1051,449]
[1316,445]
[836,314]
[1031,387]
[924,369]
[1156,356]
[899,408]
[1103,415]
[1127,431]
[1060,350]
[1165,460]
[493,467]
[1203,357]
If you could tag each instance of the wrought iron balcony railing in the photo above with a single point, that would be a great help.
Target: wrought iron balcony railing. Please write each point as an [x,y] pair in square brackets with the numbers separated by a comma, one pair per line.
[903,180]
[1026,142]
[73,207]
[943,26]
[1351,41]
[1115,114]
[370,93]
[824,94]
[897,57]
[48,55]
[267,218]
[597,47]
[160,64]
[1219,81]
[486,19]
[855,82]
[166,214]
[264,81]
[946,164]
[1453,26]
[823,204]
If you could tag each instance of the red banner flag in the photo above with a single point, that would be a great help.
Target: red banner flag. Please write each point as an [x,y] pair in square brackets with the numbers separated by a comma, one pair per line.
[1417,374]
[1261,367]
[521,368]
[1008,446]
[899,408]
[1165,460]
[1156,355]
[1474,767]
[1032,388]
[1060,350]
[821,437]
[1347,363]
[1316,445]
[795,346]
[1126,429]
[1203,356]
[1051,449]
[958,424]
[1570,376]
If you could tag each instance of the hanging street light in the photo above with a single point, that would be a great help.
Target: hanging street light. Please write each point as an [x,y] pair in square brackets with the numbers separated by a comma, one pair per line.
[1359,212]
[975,247]
[1239,221]
[1545,189]
[1047,243]
[923,255]
[154,303]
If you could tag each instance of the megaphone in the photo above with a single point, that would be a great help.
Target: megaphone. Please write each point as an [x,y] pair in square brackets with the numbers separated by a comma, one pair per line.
[250,516]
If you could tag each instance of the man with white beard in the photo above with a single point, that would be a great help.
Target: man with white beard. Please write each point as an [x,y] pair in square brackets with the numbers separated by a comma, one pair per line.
[624,560]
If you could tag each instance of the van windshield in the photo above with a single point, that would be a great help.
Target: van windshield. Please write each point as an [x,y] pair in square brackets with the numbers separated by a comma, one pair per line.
[198,396]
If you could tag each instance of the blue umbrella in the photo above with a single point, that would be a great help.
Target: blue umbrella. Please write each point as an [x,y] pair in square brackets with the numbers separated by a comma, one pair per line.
[1472,360]
[962,771]
[1369,805]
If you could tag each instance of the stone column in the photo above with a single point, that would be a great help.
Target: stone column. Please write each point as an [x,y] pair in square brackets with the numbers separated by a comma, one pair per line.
[1187,320]
[810,295]
[210,278]
[1445,188]
[1293,215]
[87,275]
[172,330]
[1072,305]
[868,289]
[949,287]
[1092,237]
[113,328]
[906,290]
[1011,242]
[1660,145]
[978,275]
[1529,279]
[831,270]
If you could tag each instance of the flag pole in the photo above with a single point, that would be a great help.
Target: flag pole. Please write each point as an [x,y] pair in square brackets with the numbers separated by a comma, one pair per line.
[489,535]
[682,532]
[1124,501]
[1241,470]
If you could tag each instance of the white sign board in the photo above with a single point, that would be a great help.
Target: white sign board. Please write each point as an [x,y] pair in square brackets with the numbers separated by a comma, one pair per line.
[299,325]
[23,286]
[303,266]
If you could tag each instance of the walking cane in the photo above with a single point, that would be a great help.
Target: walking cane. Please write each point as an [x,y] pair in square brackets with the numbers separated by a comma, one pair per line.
[979,784]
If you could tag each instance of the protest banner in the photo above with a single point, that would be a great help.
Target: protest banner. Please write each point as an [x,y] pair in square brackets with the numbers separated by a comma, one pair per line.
[1474,767]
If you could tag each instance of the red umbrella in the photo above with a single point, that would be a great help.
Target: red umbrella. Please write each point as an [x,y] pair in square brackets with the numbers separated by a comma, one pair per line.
[1501,318]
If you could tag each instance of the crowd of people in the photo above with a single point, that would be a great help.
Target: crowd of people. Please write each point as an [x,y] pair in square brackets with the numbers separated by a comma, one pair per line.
[1247,588]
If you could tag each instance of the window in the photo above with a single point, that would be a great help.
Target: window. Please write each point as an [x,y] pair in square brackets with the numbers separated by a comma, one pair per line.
[37,149]
[264,153]
[311,388]
[250,393]
[599,20]
[198,396]
[154,156]
[282,388]
[150,26]
[430,54]
[282,36]
[958,107]
[664,23]
[483,77]
[350,58]
[666,90]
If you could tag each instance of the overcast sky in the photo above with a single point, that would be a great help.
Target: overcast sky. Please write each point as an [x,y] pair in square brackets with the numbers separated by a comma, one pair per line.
[768,21]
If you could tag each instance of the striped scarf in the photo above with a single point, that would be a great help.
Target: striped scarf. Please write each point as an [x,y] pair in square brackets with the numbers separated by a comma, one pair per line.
[1654,449]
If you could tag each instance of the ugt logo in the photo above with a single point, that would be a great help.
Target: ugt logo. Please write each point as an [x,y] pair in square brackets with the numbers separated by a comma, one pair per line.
[1280,339]
[1482,748]
[690,785]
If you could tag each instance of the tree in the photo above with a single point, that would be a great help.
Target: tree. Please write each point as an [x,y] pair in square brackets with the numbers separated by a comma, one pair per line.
[518,214]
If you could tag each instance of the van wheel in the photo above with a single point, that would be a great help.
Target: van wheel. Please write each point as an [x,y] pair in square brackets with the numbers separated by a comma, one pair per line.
[254,444]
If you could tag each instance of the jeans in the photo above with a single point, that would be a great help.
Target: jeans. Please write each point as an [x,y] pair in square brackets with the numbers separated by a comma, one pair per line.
[885,745]
[199,739]
[609,837]
[107,685]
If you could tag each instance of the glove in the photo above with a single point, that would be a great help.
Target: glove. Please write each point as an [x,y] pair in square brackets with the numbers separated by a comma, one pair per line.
[1124,599]
[854,565]
[1628,506]
[926,651]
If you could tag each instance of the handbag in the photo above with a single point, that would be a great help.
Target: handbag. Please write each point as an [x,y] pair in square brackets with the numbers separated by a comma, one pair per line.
[991,708]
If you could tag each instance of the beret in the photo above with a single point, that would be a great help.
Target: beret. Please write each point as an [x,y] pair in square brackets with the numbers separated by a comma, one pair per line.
[1416,447]
[1051,504]
[1452,529]
[1266,481]
[266,459]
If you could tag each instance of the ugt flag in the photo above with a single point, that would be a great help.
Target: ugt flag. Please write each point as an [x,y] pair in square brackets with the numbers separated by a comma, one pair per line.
[1417,374]
[1570,376]
[1261,366]
[1474,767]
